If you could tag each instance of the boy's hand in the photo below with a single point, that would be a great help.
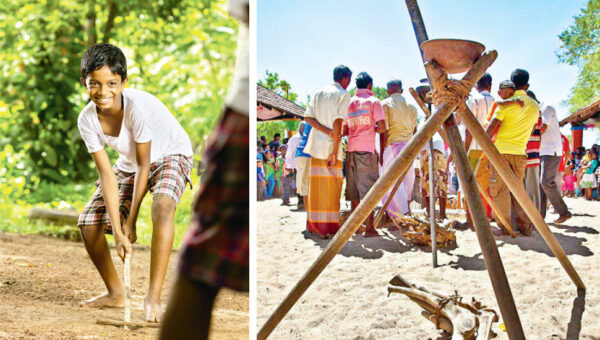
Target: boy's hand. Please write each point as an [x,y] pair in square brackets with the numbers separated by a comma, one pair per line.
[129,230]
[123,246]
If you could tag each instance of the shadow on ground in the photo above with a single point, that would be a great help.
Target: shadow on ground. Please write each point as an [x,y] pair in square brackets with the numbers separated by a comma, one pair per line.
[368,247]
[570,244]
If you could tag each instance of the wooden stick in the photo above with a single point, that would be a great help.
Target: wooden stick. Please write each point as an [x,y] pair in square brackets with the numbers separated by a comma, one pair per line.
[438,79]
[518,191]
[120,323]
[127,275]
[442,133]
[432,207]
[368,204]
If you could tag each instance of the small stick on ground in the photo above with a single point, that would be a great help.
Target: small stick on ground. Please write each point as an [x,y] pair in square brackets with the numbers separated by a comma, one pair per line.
[127,274]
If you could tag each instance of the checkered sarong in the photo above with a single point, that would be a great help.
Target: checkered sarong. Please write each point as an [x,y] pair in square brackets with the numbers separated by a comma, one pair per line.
[216,246]
[168,176]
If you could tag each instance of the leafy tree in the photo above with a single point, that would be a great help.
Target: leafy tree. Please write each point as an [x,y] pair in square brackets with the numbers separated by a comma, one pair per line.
[580,47]
[181,51]
[379,92]
[273,83]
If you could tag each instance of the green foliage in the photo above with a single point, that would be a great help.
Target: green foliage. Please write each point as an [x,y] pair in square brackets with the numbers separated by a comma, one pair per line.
[181,51]
[581,47]
[268,129]
[379,92]
[15,205]
[272,82]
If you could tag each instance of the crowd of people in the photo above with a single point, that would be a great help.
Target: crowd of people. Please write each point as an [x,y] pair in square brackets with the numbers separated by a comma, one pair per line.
[357,138]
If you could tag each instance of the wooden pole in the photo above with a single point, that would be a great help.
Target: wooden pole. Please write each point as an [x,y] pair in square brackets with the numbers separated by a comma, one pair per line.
[518,191]
[482,228]
[432,207]
[485,237]
[442,133]
[368,204]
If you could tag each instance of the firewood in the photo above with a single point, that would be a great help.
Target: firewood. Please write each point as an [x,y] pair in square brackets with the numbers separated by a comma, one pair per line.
[448,311]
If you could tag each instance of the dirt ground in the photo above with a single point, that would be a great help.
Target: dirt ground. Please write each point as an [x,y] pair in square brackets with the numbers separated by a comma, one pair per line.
[42,281]
[350,300]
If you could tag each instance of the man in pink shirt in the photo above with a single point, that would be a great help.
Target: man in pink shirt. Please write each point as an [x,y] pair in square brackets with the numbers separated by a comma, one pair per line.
[365,117]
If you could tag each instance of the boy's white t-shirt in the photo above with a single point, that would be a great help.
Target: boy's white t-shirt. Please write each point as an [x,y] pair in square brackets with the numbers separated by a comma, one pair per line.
[145,118]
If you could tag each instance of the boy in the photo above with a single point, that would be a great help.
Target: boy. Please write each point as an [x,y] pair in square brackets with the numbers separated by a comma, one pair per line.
[155,154]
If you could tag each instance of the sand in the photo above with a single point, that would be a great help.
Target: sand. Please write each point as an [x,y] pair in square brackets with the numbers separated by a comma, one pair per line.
[349,299]
[42,281]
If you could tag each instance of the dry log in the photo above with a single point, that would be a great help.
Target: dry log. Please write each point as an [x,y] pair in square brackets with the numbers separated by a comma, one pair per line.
[69,217]
[120,323]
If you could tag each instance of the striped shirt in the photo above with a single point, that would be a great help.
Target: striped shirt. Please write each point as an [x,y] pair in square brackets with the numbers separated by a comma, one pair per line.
[533,145]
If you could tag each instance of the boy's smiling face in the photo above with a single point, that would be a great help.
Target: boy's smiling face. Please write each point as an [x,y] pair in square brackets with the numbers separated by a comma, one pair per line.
[105,88]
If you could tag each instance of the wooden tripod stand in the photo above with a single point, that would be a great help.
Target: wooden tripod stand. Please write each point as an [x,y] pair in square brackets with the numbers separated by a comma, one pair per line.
[439,80]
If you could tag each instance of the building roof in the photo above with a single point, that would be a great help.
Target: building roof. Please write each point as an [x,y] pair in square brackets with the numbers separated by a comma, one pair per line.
[277,106]
[579,117]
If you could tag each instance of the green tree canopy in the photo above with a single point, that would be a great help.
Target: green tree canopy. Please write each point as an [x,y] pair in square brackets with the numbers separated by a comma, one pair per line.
[181,51]
[273,83]
[379,92]
[581,47]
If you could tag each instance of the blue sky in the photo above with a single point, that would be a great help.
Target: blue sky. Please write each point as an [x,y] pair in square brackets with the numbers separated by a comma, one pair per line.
[304,40]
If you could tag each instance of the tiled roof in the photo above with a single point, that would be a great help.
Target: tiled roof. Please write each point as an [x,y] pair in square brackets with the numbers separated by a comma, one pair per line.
[582,114]
[272,100]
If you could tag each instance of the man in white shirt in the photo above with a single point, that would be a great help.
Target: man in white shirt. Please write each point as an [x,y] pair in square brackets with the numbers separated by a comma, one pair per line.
[550,154]
[289,167]
[326,113]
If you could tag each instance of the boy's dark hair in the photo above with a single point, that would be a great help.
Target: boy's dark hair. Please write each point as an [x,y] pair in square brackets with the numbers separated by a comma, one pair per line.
[99,55]
[532,95]
[394,84]
[485,81]
[276,135]
[520,77]
[363,80]
[341,72]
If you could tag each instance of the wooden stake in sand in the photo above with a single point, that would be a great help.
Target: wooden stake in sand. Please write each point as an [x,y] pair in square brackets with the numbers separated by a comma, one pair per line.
[483,193]
[127,275]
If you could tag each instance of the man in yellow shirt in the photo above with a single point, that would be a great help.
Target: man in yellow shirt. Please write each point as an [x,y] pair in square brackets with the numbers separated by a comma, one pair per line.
[514,124]
[401,120]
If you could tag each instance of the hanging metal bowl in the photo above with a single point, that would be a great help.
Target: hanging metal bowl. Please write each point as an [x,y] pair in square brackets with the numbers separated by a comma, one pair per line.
[453,55]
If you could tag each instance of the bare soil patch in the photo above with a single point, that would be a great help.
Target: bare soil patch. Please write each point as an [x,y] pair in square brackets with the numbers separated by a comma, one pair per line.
[42,281]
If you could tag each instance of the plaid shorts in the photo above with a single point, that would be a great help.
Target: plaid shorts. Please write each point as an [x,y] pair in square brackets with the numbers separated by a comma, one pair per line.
[216,246]
[168,176]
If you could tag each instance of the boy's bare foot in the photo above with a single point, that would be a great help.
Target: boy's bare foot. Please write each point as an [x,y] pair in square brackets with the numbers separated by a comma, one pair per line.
[105,300]
[152,310]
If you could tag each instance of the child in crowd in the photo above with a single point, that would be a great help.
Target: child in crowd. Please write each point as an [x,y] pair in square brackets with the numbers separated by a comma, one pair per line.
[261,181]
[568,186]
[280,159]
[270,173]
[588,180]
